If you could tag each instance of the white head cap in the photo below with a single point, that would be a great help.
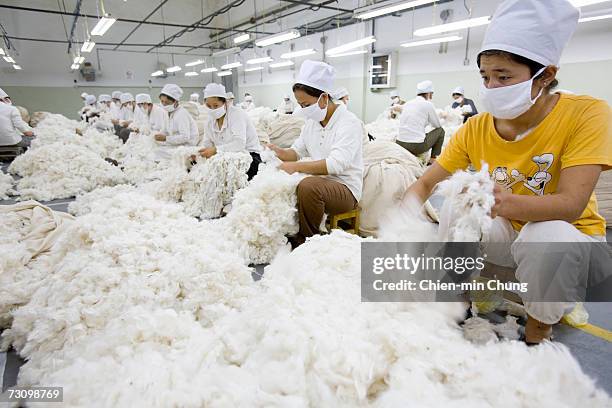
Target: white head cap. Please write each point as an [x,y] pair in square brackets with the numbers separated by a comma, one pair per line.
[90,99]
[318,75]
[116,94]
[143,98]
[248,98]
[214,90]
[84,95]
[172,90]
[341,93]
[394,94]
[3,94]
[229,95]
[424,87]
[104,98]
[534,29]
[194,97]
[458,90]
[126,97]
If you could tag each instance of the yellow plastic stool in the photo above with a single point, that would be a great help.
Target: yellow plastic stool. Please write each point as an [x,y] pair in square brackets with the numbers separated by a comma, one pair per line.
[348,221]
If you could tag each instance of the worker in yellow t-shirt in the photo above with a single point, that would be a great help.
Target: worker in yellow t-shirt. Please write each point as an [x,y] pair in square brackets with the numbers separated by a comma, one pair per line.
[544,150]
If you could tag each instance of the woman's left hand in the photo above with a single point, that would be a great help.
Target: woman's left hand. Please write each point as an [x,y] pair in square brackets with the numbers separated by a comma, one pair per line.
[501,195]
[208,152]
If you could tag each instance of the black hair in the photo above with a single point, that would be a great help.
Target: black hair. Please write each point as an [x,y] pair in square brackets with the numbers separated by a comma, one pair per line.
[222,99]
[534,66]
[458,94]
[169,97]
[308,90]
[424,93]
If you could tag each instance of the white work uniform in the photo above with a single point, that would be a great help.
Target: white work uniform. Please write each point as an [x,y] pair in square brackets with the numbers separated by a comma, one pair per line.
[237,134]
[11,125]
[115,110]
[416,115]
[181,129]
[340,144]
[126,114]
[151,122]
[286,107]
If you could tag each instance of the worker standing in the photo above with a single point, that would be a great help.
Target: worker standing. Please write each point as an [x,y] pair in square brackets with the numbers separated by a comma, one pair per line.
[467,106]
[182,129]
[549,150]
[12,126]
[416,116]
[287,106]
[332,138]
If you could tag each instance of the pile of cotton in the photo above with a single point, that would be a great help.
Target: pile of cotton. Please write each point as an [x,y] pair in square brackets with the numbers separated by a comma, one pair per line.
[383,128]
[83,203]
[38,117]
[61,170]
[284,129]
[260,113]
[264,213]
[138,159]
[6,185]
[450,120]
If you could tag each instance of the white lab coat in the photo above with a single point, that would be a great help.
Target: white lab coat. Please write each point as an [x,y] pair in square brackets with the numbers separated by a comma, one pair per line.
[340,144]
[115,110]
[11,125]
[181,130]
[126,114]
[237,134]
[286,107]
[151,122]
[416,115]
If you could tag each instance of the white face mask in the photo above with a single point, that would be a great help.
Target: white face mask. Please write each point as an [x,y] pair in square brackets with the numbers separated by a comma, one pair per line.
[509,102]
[314,112]
[217,113]
[8,101]
[169,108]
[459,99]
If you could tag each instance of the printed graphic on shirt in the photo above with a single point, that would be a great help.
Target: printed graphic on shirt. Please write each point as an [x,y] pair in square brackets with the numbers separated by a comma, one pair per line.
[536,182]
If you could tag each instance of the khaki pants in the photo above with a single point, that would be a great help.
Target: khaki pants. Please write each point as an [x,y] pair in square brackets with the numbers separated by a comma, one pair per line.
[317,196]
[433,140]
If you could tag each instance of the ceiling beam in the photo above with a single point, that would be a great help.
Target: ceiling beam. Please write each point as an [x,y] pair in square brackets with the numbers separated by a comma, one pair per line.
[160,5]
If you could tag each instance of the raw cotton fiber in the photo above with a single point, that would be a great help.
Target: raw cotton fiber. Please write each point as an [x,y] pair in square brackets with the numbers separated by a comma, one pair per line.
[6,185]
[61,170]
[384,128]
[138,160]
[283,129]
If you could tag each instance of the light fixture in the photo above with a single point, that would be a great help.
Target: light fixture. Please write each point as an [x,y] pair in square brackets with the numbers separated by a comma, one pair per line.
[2,51]
[228,51]
[301,53]
[88,46]
[438,40]
[224,73]
[9,59]
[278,38]
[211,69]
[281,64]
[175,68]
[369,12]
[194,63]
[231,65]
[79,59]
[191,74]
[75,66]
[595,18]
[346,54]
[17,67]
[584,3]
[457,25]
[259,60]
[242,38]
[349,46]
[103,25]
[253,69]
[157,73]
[377,67]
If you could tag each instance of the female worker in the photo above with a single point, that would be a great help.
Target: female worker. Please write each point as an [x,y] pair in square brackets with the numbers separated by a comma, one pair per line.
[151,119]
[550,147]
[126,116]
[229,129]
[181,129]
[332,137]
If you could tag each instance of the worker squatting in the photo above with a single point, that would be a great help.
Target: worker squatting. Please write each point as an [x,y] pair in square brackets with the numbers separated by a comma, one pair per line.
[437,285]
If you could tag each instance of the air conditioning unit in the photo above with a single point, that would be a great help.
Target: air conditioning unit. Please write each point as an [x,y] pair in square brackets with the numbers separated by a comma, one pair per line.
[88,72]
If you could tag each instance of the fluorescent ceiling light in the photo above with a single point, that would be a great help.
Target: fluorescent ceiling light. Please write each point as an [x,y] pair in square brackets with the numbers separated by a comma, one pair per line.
[281,64]
[175,68]
[583,3]
[231,65]
[253,69]
[439,40]
[211,69]
[228,51]
[457,25]
[242,38]
[376,12]
[2,51]
[595,18]
[224,73]
[17,67]
[78,59]
[9,59]
[191,74]
[103,25]
[88,46]
[301,53]
[346,54]
[349,46]
[278,38]
[194,63]
[74,66]
[157,73]
[259,60]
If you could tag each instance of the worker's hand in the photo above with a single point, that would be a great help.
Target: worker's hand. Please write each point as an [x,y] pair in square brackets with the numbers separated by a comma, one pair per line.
[115,121]
[125,124]
[397,108]
[78,132]
[160,138]
[28,134]
[277,150]
[288,167]
[208,152]
[501,200]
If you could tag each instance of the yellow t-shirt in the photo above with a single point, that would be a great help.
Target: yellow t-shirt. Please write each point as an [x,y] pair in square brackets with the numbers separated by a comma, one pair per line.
[578,131]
